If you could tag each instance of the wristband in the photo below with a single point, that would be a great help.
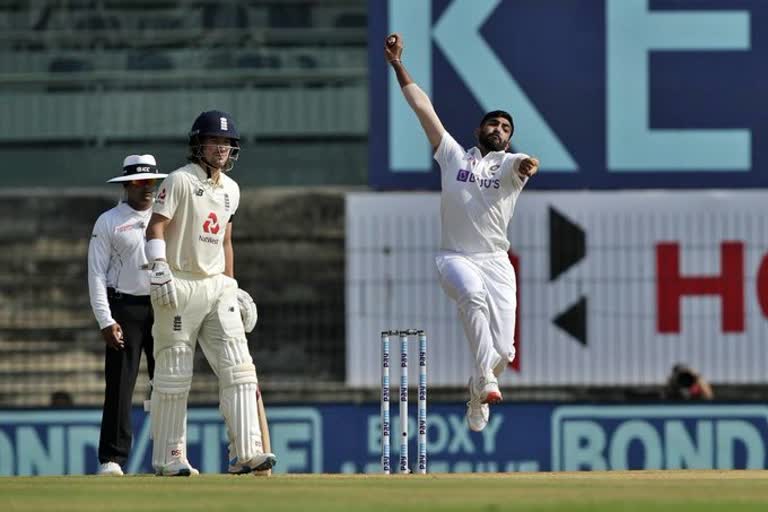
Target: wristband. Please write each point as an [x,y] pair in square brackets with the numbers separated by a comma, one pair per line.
[155,249]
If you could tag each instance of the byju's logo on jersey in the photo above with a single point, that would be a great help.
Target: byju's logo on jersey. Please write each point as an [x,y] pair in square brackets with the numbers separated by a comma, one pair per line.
[467,176]
[211,224]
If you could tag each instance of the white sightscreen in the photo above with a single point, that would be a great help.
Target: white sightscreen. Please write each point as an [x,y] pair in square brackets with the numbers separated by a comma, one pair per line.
[619,335]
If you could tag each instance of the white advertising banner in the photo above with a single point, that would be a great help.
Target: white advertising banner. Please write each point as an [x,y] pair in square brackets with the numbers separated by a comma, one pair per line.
[614,288]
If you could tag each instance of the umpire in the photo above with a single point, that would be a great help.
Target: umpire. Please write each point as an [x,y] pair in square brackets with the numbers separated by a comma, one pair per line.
[119,293]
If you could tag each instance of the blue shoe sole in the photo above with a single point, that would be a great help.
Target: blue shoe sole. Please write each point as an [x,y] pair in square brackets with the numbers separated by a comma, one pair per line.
[267,464]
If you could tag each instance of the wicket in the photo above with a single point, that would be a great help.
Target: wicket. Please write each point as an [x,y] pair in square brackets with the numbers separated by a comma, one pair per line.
[422,400]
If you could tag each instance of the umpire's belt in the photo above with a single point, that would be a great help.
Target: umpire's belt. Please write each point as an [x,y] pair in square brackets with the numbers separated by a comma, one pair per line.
[116,296]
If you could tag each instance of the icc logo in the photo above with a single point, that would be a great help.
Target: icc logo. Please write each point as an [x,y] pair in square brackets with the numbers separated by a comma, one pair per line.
[211,224]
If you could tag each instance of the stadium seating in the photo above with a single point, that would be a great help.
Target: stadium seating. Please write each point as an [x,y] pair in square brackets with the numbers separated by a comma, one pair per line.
[96,22]
[86,82]
[351,19]
[290,256]
[176,45]
[224,15]
[146,61]
[258,61]
[68,65]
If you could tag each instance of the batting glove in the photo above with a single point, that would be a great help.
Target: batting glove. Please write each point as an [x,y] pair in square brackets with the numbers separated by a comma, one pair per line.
[161,286]
[248,310]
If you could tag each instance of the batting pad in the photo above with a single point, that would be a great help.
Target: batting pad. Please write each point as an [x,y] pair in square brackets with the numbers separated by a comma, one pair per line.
[168,416]
[238,385]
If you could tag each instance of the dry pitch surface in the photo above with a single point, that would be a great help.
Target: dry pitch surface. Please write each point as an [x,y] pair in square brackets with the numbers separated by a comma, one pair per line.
[678,491]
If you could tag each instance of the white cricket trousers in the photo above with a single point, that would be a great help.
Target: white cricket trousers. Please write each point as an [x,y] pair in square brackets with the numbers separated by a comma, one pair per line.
[207,312]
[484,289]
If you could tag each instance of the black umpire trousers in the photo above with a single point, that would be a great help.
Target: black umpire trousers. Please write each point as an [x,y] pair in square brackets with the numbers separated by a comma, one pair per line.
[121,368]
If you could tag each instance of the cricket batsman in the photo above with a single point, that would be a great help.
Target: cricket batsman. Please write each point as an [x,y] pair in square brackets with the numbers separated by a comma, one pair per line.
[196,298]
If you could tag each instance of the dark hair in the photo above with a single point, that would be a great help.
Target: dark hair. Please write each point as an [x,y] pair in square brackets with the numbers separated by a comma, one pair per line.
[685,379]
[683,376]
[499,113]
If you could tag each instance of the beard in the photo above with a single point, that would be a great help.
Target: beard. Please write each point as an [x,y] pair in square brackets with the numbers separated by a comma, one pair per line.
[492,142]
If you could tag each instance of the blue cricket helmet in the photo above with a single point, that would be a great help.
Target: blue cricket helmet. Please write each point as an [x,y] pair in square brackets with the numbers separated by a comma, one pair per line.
[214,123]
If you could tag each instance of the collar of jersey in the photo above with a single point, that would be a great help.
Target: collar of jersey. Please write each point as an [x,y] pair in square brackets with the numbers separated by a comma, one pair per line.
[129,209]
[478,155]
[203,176]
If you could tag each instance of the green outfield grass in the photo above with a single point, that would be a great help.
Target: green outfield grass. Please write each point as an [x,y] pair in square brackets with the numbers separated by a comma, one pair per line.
[678,491]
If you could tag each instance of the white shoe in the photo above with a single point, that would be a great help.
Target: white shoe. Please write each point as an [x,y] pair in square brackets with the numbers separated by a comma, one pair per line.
[489,390]
[500,366]
[180,467]
[477,412]
[109,469]
[261,462]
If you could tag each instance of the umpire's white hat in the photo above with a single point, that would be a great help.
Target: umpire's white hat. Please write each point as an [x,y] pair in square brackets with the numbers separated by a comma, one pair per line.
[138,167]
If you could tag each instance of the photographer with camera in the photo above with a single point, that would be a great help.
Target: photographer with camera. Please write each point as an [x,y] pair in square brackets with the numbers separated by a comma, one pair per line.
[684,383]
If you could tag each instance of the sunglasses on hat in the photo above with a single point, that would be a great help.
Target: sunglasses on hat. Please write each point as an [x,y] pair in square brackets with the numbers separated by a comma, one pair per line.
[144,183]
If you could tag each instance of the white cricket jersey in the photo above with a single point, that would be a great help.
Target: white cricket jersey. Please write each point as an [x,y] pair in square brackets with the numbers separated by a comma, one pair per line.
[199,210]
[478,196]
[115,258]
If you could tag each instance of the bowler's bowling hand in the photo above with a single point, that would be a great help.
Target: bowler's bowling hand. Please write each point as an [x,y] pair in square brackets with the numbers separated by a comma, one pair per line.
[393,47]
[528,167]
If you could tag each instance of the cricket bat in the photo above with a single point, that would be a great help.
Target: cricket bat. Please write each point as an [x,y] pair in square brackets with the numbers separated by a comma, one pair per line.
[267,444]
